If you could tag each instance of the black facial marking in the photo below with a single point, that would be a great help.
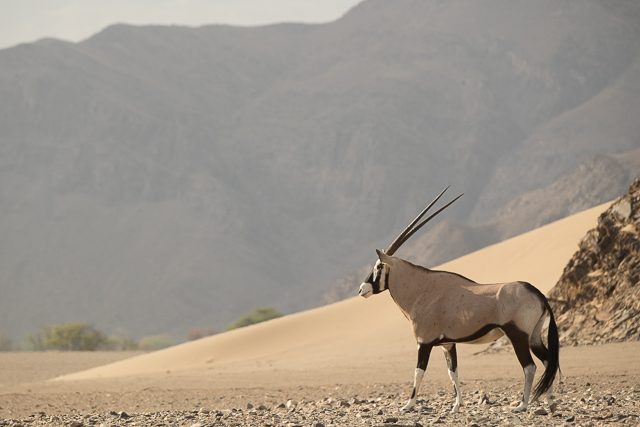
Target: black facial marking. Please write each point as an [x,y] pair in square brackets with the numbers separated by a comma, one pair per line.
[375,283]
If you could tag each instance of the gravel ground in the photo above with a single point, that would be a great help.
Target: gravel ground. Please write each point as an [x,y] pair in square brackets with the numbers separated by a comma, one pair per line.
[612,401]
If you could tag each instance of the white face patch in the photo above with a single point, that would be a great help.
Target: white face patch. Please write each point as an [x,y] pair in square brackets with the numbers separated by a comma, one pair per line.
[366,290]
[378,270]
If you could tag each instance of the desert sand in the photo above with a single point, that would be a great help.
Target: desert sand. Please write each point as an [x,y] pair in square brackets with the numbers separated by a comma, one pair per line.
[358,351]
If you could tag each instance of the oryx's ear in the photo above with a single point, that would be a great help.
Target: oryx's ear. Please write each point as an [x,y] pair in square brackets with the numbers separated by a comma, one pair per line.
[384,258]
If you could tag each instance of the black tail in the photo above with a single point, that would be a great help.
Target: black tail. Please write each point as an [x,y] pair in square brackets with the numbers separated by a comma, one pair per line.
[553,363]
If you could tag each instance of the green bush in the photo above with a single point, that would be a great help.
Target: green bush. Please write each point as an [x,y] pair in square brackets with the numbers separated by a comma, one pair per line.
[256,316]
[6,344]
[69,337]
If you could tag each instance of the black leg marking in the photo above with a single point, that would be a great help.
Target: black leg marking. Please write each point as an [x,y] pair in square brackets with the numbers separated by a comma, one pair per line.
[424,351]
[423,356]
[540,352]
[520,342]
[451,355]
[413,393]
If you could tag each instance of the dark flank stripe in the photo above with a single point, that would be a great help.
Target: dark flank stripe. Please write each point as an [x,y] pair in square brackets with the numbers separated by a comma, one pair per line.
[474,336]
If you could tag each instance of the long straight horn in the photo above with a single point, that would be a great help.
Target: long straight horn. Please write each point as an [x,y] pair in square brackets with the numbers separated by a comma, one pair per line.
[429,218]
[393,247]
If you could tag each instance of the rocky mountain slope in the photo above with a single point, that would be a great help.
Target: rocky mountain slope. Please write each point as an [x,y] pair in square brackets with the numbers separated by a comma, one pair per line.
[154,179]
[597,299]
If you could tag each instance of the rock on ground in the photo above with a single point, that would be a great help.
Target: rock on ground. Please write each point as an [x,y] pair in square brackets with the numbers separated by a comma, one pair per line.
[577,403]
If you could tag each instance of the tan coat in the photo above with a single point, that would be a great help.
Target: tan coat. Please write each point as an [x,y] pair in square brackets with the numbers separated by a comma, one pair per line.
[446,307]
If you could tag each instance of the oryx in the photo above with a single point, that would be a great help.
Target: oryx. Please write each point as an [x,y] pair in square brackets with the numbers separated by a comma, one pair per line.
[446,308]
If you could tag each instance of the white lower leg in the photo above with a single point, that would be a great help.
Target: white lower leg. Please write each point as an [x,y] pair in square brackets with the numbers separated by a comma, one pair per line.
[417,379]
[454,379]
[529,373]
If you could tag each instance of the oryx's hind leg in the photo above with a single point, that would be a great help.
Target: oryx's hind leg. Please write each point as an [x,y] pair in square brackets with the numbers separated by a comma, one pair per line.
[520,342]
[541,352]
[424,351]
[451,356]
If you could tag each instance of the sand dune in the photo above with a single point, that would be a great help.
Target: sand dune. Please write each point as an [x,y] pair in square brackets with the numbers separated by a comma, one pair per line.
[356,331]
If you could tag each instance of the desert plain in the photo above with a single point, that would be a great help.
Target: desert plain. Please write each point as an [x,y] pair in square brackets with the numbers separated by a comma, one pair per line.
[349,363]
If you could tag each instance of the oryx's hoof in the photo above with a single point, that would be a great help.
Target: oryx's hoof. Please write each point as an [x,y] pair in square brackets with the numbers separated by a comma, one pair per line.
[455,409]
[520,408]
[408,407]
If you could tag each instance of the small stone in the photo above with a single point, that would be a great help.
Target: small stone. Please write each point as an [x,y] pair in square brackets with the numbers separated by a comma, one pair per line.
[123,415]
[318,425]
[262,408]
[390,420]
[196,425]
[540,411]
[553,407]
[570,419]
[76,424]
[291,404]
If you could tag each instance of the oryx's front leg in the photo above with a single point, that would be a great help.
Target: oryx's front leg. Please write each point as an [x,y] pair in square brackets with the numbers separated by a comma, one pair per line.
[424,350]
[451,355]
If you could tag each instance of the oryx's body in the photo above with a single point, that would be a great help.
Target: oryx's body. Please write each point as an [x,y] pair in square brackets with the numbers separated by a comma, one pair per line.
[445,308]
[463,310]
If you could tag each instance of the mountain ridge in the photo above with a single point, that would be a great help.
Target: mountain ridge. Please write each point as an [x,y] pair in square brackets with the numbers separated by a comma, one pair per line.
[157,178]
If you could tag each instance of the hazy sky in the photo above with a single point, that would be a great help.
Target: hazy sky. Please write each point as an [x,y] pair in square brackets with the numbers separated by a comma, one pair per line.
[29,20]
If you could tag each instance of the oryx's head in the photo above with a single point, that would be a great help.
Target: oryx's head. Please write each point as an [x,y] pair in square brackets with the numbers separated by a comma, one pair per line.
[378,280]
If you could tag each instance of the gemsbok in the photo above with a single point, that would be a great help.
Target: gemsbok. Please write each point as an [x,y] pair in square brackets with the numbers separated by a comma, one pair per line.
[446,308]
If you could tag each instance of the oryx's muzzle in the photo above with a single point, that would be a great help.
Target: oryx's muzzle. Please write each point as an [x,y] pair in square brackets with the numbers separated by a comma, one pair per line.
[366,290]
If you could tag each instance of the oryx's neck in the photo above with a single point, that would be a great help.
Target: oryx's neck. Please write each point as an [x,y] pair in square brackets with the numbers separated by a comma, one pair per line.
[409,285]
[407,282]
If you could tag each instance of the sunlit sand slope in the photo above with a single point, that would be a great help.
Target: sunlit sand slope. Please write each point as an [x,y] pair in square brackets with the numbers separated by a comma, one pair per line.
[338,335]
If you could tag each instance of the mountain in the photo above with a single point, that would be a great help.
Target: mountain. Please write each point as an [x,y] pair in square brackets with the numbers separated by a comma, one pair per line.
[154,179]
[597,298]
